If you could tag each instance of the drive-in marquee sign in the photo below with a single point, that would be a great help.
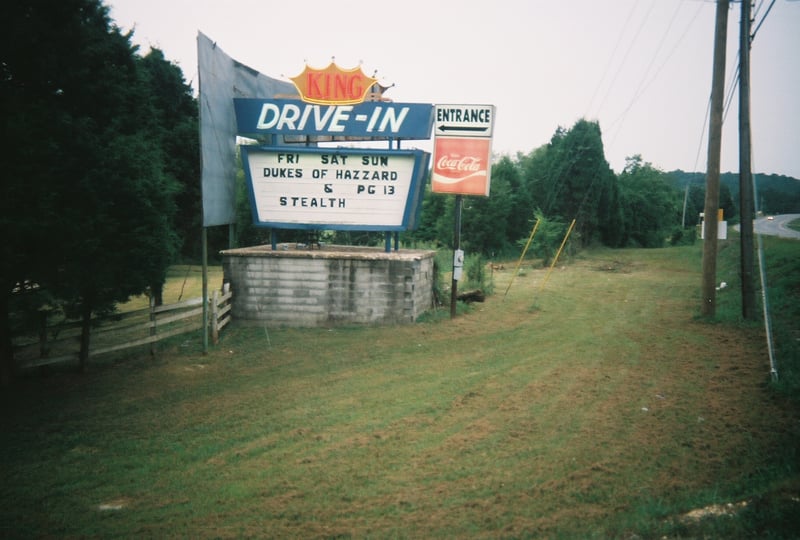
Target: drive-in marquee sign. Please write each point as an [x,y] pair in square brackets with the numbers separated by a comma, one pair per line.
[341,189]
[334,188]
[357,189]
[381,119]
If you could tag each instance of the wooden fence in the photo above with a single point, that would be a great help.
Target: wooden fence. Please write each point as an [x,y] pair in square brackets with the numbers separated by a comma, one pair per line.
[61,342]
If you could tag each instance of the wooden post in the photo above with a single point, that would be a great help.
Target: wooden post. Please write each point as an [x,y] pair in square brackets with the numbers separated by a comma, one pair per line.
[746,206]
[152,325]
[215,317]
[205,290]
[709,270]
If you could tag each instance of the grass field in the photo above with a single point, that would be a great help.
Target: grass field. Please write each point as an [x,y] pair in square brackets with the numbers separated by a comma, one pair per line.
[601,406]
[184,282]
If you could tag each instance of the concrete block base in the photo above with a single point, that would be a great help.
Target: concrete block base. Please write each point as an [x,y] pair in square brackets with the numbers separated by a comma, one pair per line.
[328,286]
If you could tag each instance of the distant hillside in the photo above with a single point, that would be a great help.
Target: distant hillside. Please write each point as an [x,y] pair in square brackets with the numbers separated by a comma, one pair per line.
[777,194]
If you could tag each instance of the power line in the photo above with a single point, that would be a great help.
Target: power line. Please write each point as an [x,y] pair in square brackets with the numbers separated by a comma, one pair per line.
[753,35]
[639,89]
[734,83]
[642,86]
[625,58]
[611,58]
[702,134]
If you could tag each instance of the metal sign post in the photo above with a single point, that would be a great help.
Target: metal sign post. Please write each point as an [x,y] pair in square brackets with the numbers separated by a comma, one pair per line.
[458,256]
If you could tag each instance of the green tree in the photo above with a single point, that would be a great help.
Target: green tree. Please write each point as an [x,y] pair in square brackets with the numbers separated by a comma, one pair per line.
[571,179]
[87,202]
[728,193]
[549,236]
[436,220]
[610,215]
[433,206]
[520,208]
[485,220]
[247,234]
[695,204]
[651,206]
[178,135]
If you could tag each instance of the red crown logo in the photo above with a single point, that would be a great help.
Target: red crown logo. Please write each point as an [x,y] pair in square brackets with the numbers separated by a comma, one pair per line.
[333,85]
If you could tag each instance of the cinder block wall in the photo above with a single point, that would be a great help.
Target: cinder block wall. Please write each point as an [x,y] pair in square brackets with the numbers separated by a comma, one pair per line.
[334,285]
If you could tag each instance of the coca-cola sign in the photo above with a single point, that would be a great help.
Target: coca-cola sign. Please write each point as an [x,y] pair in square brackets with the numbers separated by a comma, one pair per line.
[461,165]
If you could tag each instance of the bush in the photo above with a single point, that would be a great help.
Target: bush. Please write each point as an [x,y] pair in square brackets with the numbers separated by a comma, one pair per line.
[475,274]
[682,237]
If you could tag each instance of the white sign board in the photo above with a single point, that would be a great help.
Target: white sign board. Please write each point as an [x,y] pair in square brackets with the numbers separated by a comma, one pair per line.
[464,120]
[334,188]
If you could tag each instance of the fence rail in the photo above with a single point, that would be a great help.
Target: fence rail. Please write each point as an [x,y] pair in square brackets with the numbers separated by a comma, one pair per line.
[58,343]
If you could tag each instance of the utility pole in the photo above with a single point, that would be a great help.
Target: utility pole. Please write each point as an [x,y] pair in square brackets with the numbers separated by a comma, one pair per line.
[709,305]
[747,208]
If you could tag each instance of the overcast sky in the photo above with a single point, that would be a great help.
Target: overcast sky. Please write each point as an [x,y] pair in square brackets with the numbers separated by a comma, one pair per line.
[642,68]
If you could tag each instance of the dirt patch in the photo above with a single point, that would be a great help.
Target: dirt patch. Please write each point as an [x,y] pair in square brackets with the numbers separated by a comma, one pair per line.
[615,266]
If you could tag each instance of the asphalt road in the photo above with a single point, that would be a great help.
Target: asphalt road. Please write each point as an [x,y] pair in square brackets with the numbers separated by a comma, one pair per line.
[777,226]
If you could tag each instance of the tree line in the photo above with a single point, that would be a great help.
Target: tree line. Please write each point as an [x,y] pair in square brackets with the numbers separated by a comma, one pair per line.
[564,180]
[101,181]
[569,178]
[101,164]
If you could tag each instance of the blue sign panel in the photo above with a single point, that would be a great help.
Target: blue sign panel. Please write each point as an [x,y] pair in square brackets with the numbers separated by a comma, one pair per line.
[335,188]
[378,119]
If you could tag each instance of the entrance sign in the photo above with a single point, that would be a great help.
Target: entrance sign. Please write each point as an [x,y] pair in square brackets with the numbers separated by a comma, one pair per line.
[337,188]
[369,119]
[465,120]
[462,149]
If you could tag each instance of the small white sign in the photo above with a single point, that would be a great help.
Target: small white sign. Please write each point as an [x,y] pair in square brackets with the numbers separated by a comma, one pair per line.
[464,120]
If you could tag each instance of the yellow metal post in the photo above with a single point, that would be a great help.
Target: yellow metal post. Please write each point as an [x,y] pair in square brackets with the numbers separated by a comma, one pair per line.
[521,257]
[555,260]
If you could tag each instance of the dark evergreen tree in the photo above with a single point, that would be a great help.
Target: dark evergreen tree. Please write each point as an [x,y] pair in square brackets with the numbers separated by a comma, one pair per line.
[610,215]
[695,204]
[518,205]
[432,208]
[485,220]
[87,203]
[178,135]
[571,179]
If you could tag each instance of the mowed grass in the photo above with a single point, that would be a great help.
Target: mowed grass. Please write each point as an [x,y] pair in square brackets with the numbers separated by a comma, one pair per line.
[184,282]
[600,406]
